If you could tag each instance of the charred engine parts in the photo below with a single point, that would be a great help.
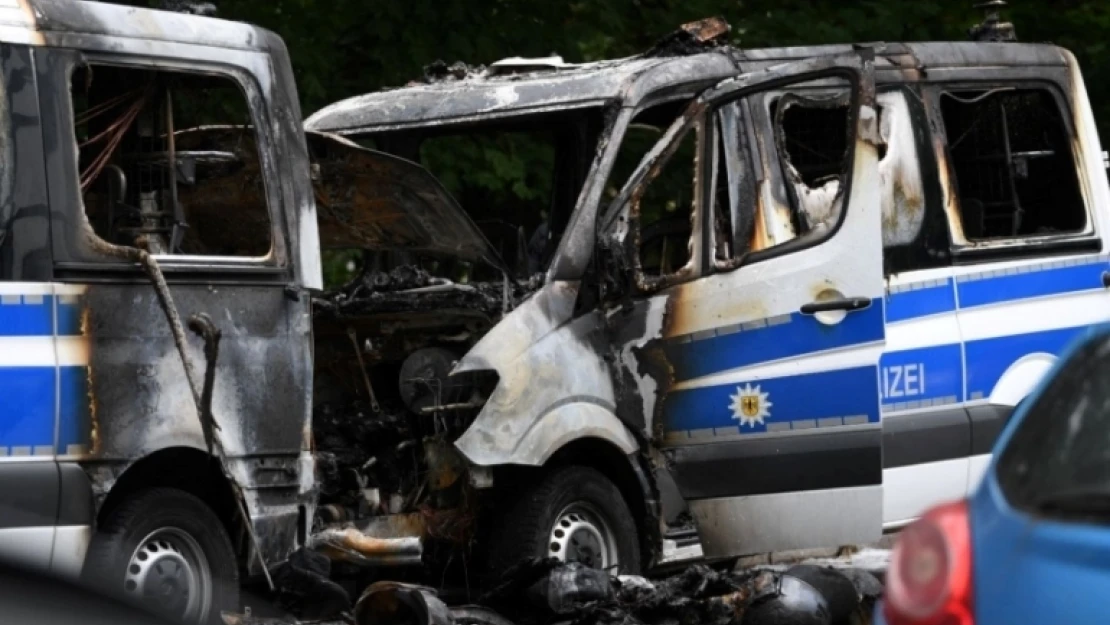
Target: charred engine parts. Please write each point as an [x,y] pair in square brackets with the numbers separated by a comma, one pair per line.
[388,603]
[351,545]
[425,385]
[541,591]
[793,602]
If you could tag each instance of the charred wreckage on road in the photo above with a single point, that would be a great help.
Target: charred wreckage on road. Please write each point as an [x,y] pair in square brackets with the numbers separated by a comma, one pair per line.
[499,375]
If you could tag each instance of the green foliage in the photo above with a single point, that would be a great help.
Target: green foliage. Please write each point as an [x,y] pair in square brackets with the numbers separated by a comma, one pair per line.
[343,48]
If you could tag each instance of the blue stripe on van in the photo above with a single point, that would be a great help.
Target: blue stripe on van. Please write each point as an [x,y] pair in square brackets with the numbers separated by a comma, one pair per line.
[69,315]
[988,359]
[771,339]
[995,288]
[26,315]
[27,409]
[918,301]
[799,399]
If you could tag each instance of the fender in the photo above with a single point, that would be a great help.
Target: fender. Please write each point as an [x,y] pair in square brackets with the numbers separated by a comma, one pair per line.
[563,424]
[1021,378]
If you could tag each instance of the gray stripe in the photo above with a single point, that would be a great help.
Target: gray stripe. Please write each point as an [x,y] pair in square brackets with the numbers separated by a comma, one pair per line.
[926,437]
[755,466]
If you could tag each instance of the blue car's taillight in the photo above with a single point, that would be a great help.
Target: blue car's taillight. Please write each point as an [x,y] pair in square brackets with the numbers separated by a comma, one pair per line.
[929,577]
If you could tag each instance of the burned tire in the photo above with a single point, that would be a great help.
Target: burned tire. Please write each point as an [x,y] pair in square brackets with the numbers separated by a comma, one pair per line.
[165,549]
[575,514]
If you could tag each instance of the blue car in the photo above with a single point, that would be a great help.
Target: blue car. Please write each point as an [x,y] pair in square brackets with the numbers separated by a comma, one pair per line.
[1032,544]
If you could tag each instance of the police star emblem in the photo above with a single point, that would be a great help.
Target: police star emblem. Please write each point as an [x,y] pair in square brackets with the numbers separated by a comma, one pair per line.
[750,405]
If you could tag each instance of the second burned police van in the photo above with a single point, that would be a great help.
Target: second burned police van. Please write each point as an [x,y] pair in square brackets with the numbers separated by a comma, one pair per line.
[802,305]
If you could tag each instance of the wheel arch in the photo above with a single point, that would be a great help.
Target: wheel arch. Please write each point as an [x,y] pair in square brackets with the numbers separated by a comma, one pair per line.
[1021,377]
[187,469]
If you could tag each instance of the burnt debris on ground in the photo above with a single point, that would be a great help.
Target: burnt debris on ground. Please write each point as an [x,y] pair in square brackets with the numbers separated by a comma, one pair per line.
[539,592]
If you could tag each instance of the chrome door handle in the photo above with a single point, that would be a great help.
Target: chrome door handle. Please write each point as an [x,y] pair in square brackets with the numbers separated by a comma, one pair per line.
[848,304]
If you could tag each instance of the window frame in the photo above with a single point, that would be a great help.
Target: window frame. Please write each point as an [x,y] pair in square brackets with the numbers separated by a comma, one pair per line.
[965,251]
[275,263]
[935,222]
[617,208]
[767,166]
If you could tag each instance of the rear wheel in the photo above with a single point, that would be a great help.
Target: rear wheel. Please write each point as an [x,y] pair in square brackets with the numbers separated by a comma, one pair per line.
[165,549]
[575,514]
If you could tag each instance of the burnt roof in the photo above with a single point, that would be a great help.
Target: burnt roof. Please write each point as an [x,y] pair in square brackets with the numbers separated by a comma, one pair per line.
[484,93]
[66,22]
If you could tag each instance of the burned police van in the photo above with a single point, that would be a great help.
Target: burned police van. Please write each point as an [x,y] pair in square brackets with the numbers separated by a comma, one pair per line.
[774,299]
[762,299]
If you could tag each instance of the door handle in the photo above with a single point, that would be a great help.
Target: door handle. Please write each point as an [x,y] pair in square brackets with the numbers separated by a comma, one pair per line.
[848,304]
[1106,279]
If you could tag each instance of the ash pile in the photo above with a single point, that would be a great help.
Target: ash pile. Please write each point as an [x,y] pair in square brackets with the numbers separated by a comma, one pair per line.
[544,592]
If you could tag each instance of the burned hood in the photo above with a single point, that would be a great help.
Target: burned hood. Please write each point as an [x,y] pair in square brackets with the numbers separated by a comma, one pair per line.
[373,200]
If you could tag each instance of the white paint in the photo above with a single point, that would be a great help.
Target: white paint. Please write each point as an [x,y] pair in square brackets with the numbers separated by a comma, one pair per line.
[71,542]
[910,491]
[977,468]
[27,546]
[503,97]
[1035,315]
[939,329]
[733,526]
[1021,378]
[27,351]
[26,288]
[568,423]
[820,204]
[813,362]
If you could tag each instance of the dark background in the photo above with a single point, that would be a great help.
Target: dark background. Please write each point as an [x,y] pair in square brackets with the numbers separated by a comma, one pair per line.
[342,48]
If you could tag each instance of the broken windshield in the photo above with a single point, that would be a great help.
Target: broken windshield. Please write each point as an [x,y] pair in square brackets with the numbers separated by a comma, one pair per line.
[518,180]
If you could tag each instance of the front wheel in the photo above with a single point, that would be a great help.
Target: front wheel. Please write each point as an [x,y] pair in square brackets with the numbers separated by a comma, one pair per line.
[165,549]
[575,514]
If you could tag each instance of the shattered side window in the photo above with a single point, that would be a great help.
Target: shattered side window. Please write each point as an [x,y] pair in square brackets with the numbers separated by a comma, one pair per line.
[735,188]
[1011,154]
[168,161]
[663,205]
[811,131]
[666,209]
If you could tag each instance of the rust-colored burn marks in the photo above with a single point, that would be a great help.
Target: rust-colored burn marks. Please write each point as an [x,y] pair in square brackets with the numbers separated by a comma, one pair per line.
[90,371]
[901,188]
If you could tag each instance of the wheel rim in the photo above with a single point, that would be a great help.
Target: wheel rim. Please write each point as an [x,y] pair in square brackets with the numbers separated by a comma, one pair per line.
[582,534]
[169,572]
